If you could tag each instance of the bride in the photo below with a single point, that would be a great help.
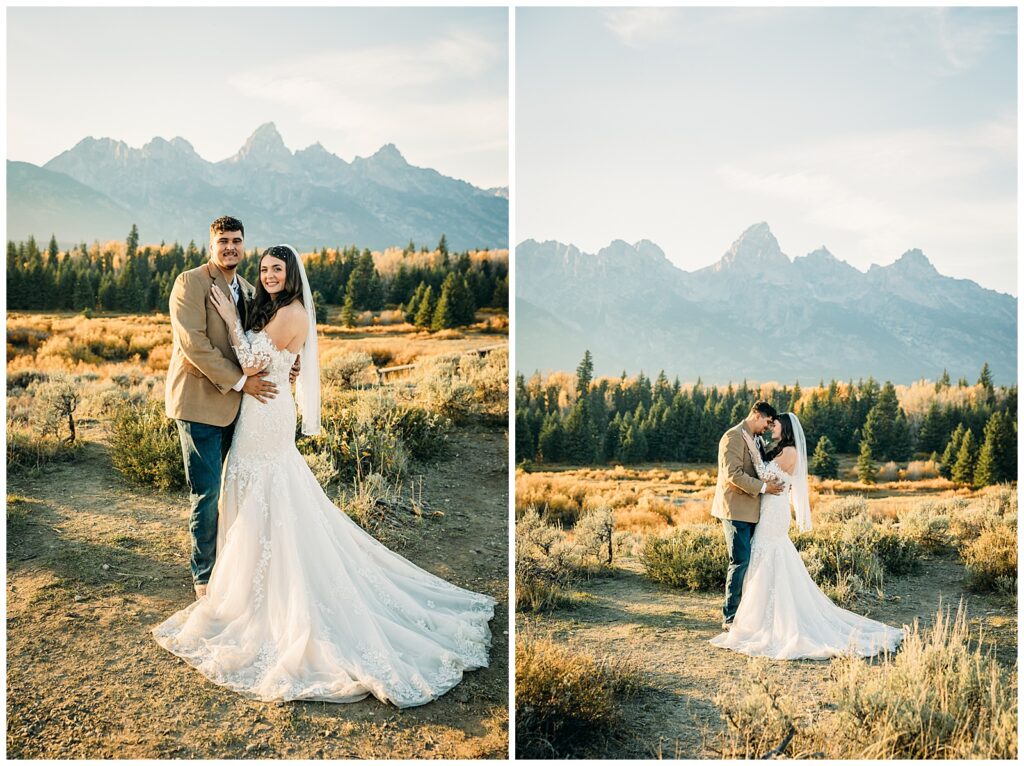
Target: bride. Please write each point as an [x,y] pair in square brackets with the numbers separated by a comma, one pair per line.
[782,613]
[303,604]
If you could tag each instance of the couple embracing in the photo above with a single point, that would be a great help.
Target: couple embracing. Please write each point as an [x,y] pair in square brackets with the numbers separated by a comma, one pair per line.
[772,606]
[294,601]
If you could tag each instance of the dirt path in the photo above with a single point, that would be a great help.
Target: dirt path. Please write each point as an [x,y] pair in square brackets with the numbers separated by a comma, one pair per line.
[93,565]
[667,631]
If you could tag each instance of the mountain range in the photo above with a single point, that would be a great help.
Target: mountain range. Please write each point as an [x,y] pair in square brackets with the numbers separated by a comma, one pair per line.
[756,314]
[310,197]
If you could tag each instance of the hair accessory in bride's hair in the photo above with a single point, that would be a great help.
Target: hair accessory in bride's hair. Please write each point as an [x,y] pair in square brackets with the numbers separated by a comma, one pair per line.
[279,251]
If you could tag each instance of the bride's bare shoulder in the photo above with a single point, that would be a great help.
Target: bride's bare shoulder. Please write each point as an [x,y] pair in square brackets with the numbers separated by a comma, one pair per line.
[786,459]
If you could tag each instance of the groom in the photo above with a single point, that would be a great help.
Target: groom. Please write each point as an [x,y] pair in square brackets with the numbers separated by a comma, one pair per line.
[738,499]
[205,383]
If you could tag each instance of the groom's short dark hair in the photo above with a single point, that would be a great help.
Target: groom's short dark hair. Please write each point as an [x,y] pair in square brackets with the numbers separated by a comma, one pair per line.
[226,223]
[765,409]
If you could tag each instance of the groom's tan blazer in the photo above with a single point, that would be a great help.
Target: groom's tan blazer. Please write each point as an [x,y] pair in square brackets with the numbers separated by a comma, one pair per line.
[738,492]
[203,367]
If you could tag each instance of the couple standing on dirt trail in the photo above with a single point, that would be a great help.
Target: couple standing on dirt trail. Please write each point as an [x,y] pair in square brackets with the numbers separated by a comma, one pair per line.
[772,606]
[294,601]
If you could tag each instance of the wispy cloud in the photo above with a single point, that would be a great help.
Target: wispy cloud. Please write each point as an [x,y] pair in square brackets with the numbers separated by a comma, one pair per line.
[944,41]
[637,26]
[964,36]
[892,190]
[415,97]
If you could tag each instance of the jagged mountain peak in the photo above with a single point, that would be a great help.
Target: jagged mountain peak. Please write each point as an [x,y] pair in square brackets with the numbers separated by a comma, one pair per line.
[756,246]
[265,146]
[388,154]
[913,264]
[176,148]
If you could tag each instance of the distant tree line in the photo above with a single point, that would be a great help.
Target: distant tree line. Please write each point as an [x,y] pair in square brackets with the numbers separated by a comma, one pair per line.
[633,420]
[131,278]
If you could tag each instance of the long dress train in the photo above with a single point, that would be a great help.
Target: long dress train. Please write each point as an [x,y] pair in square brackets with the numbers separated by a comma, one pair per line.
[303,604]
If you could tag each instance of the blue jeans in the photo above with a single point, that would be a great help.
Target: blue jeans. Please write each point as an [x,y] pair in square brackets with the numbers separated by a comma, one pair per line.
[737,543]
[203,448]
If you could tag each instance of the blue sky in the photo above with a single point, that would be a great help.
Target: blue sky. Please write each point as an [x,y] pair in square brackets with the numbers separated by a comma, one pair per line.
[869,131]
[433,81]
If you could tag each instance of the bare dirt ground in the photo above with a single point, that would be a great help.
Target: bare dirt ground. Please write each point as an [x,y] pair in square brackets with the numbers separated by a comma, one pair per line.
[94,564]
[667,632]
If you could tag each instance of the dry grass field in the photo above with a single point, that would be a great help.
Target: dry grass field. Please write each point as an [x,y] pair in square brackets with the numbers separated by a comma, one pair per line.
[97,540]
[905,551]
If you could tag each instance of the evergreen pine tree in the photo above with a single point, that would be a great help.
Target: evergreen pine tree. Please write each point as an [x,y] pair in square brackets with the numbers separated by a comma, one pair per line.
[886,430]
[996,458]
[425,312]
[445,313]
[866,470]
[320,307]
[584,374]
[580,446]
[985,378]
[824,463]
[951,451]
[465,303]
[933,430]
[551,438]
[524,437]
[348,312]
[414,302]
[132,243]
[963,470]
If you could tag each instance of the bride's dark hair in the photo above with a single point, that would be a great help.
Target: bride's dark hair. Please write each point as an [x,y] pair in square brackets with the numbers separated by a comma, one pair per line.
[265,306]
[786,439]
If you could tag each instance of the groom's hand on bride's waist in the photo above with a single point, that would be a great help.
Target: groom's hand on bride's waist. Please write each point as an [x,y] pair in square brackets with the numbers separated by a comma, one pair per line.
[294,372]
[774,487]
[258,388]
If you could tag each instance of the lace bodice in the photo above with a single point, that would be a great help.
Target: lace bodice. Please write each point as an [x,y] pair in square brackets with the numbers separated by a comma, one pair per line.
[775,509]
[264,431]
[772,470]
[261,349]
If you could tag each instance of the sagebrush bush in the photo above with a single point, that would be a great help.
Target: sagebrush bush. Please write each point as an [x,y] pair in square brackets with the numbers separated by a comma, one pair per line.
[382,506]
[547,565]
[348,370]
[759,718]
[693,558]
[991,560]
[53,407]
[567,700]
[840,509]
[942,695]
[372,432]
[898,553]
[465,387]
[145,447]
[29,451]
[594,535]
[927,524]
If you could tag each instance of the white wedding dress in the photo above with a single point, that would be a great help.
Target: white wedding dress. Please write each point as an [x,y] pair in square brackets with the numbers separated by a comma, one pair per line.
[782,613]
[303,604]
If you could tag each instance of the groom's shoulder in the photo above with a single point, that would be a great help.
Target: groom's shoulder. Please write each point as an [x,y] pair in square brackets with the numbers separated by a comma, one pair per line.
[192,275]
[733,430]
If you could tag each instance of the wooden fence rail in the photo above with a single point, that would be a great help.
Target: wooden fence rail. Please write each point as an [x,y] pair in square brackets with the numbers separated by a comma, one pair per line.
[383,372]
